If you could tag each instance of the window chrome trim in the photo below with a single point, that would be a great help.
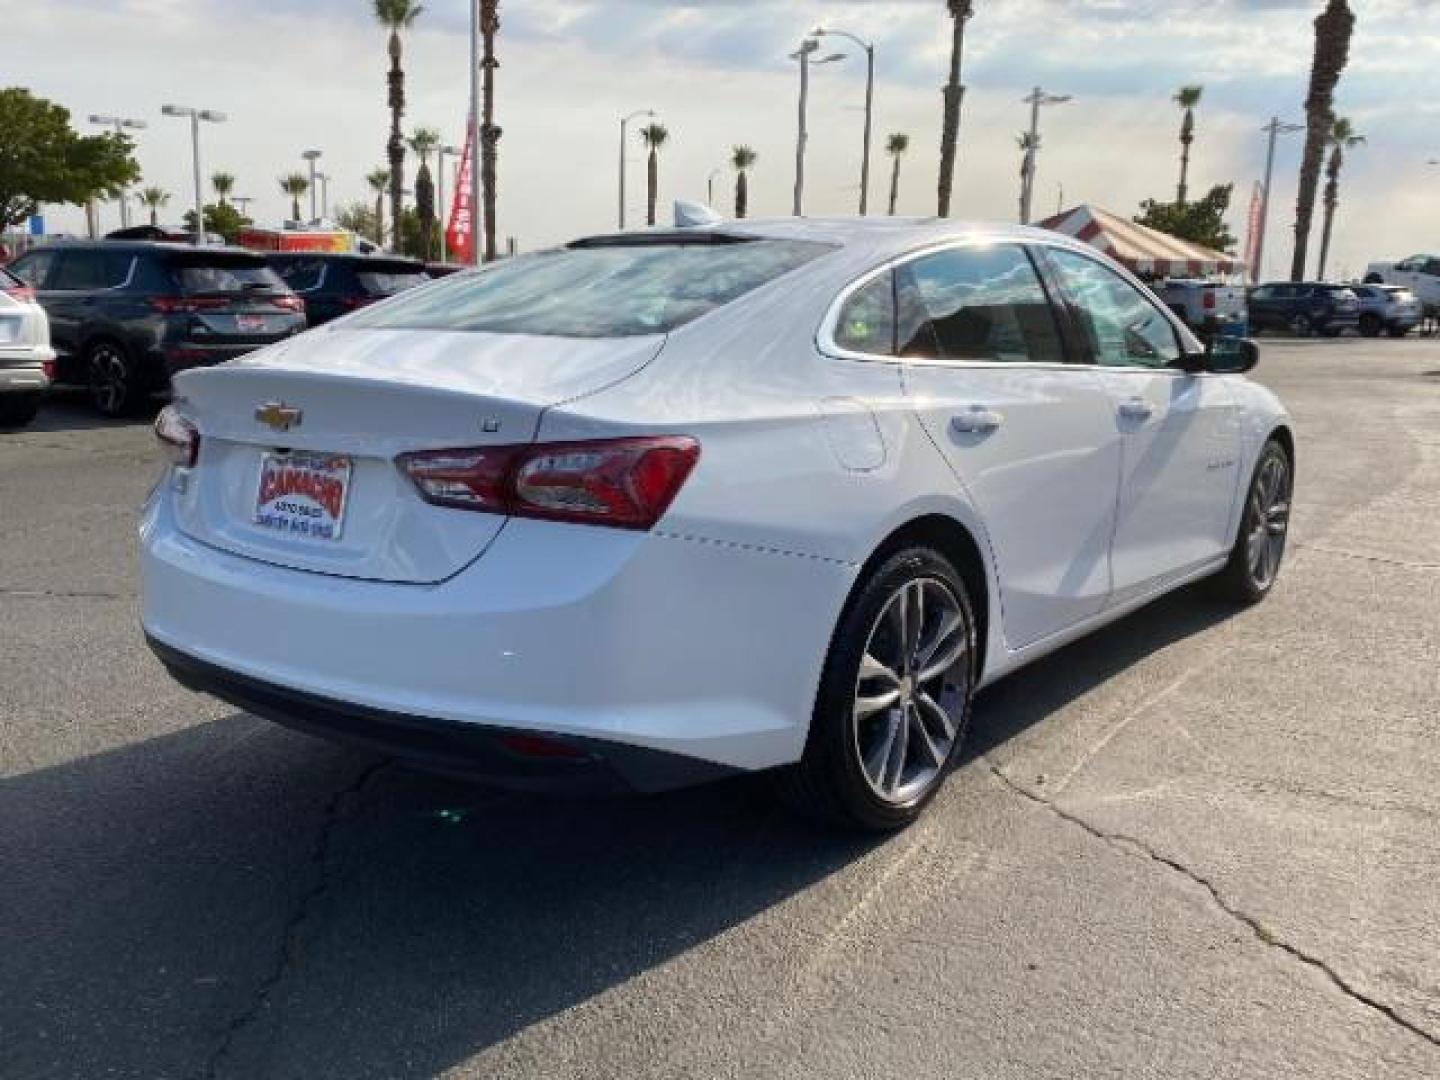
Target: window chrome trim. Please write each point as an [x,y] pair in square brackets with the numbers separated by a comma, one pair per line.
[825,336]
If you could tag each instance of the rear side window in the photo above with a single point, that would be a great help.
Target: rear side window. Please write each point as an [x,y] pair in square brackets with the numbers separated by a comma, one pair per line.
[867,321]
[302,275]
[620,290]
[976,303]
[218,273]
[84,270]
[383,282]
[1123,327]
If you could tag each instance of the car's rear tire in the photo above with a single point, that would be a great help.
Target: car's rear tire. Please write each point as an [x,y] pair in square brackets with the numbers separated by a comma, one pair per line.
[1301,326]
[1398,331]
[111,379]
[17,410]
[894,699]
[1371,325]
[1259,549]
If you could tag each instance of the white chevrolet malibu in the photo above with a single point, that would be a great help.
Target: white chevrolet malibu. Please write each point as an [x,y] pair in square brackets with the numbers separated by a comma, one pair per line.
[655,508]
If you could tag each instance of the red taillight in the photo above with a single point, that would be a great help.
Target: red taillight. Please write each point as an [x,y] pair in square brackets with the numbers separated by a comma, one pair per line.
[51,369]
[540,746]
[23,293]
[288,303]
[173,305]
[353,303]
[1209,300]
[623,483]
[178,436]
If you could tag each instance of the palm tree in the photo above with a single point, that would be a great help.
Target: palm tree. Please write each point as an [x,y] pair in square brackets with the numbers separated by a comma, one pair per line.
[1343,136]
[424,141]
[396,15]
[154,198]
[896,146]
[742,158]
[224,184]
[1188,97]
[961,12]
[653,136]
[1333,29]
[379,181]
[489,131]
[295,185]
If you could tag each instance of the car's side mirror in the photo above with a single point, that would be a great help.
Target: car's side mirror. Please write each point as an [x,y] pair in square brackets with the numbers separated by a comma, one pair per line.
[1231,355]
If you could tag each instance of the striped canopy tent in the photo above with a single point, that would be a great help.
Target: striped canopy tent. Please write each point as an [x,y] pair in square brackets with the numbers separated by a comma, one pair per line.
[1145,251]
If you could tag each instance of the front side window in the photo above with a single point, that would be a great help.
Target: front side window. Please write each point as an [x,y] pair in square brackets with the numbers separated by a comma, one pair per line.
[1124,329]
[32,268]
[976,304]
[867,321]
[596,290]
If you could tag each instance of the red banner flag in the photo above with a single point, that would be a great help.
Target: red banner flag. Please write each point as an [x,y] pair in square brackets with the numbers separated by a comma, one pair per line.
[460,234]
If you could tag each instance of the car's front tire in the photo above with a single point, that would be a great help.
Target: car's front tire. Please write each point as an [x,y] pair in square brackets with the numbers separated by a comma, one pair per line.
[1259,548]
[895,697]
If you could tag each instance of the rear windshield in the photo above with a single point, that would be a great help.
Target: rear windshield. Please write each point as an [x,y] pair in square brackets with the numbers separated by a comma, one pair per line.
[622,290]
[219,273]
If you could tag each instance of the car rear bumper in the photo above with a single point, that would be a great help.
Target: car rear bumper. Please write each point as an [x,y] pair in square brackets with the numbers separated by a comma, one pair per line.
[485,754]
[703,651]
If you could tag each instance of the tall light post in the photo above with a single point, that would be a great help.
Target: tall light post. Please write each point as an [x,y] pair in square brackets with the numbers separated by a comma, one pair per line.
[440,155]
[710,186]
[1036,99]
[324,181]
[312,156]
[121,124]
[808,48]
[625,123]
[242,204]
[1275,129]
[869,48]
[210,116]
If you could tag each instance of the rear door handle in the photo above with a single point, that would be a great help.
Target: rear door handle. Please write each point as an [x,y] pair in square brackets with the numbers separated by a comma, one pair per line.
[977,420]
[1137,409]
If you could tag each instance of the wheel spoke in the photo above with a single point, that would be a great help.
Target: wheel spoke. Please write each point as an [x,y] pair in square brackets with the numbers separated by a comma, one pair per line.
[869,706]
[899,751]
[935,753]
[915,623]
[938,666]
[950,621]
[872,670]
[929,706]
[878,760]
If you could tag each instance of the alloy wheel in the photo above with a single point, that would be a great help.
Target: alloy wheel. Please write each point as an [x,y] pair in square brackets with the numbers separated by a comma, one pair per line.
[912,690]
[1268,521]
[109,379]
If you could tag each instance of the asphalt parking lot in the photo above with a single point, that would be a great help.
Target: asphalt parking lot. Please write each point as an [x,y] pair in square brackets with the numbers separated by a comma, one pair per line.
[1200,843]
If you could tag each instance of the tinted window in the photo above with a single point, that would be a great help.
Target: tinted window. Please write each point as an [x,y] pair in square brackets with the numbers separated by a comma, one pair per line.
[601,291]
[388,283]
[1124,328]
[32,268]
[976,303]
[219,273]
[79,270]
[1262,293]
[867,321]
[1432,266]
[301,274]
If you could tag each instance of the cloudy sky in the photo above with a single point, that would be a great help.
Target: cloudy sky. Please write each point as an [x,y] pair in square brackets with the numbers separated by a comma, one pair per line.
[299,73]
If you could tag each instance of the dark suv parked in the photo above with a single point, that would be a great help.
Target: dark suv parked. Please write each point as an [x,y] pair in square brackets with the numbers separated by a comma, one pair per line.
[125,316]
[335,285]
[1304,309]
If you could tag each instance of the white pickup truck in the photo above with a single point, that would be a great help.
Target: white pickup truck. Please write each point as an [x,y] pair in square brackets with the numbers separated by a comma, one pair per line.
[1210,308]
[1419,273]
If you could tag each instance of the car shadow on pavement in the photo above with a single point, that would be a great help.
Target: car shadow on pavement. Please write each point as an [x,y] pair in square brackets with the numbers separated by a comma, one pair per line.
[68,410]
[236,900]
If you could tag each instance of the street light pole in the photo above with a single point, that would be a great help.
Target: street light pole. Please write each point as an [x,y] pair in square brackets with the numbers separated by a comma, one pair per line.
[710,186]
[440,155]
[195,116]
[625,123]
[869,48]
[1275,128]
[1037,98]
[312,156]
[120,124]
[324,179]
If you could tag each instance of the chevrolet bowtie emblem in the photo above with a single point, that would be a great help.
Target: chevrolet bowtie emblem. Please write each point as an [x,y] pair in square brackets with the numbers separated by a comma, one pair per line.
[278,416]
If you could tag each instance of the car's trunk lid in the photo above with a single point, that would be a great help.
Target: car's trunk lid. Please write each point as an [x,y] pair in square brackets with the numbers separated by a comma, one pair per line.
[313,427]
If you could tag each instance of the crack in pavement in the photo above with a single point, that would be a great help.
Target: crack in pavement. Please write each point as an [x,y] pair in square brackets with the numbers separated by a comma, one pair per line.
[1262,934]
[288,951]
[1406,563]
[63,594]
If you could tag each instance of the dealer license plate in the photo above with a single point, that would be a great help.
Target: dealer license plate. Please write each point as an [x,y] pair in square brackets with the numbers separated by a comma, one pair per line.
[303,494]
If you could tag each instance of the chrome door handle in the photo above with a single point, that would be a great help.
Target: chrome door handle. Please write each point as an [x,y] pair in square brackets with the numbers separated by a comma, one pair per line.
[1137,409]
[976,420]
